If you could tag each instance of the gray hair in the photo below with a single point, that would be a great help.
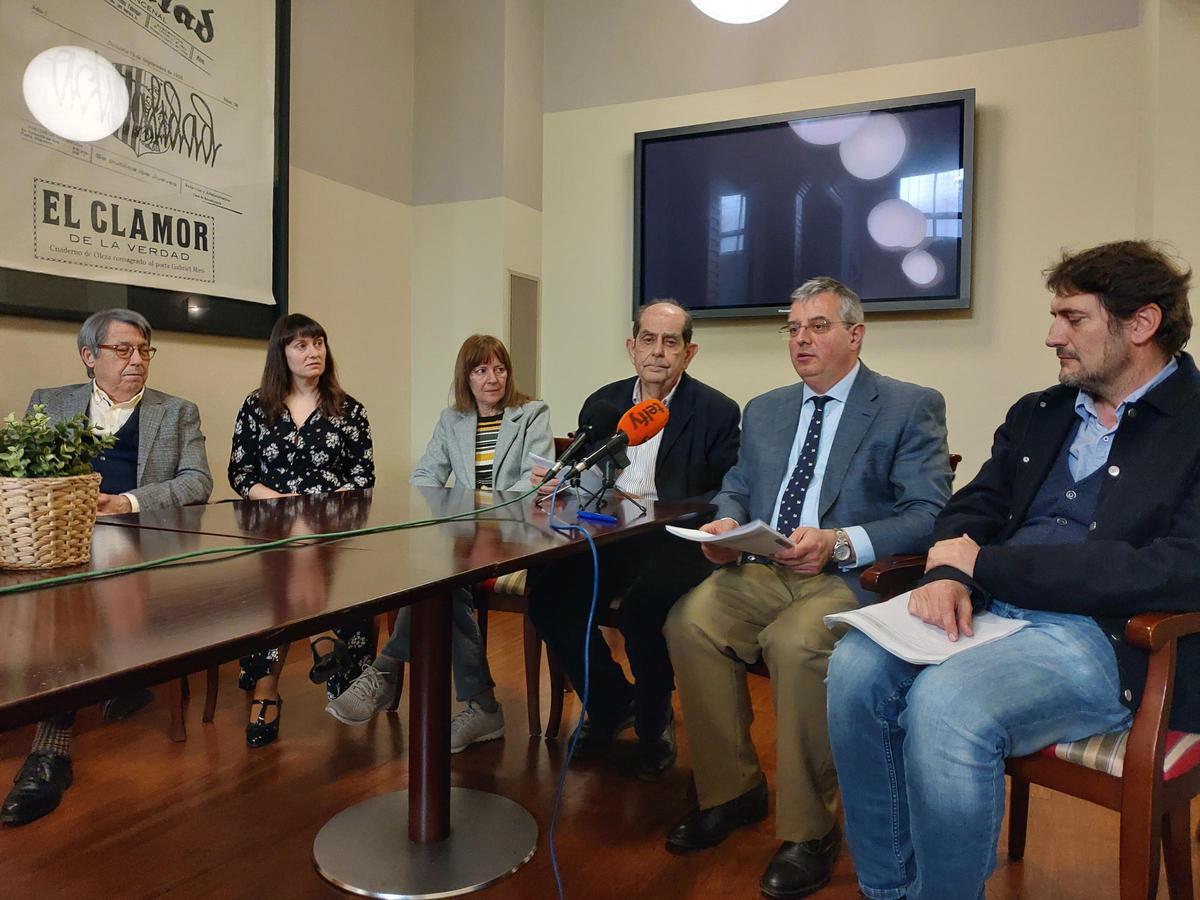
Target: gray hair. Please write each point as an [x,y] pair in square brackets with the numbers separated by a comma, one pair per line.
[850,310]
[665,301]
[94,330]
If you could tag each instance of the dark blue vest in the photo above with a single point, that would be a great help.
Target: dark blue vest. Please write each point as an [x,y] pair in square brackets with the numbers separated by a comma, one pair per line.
[1063,508]
[118,466]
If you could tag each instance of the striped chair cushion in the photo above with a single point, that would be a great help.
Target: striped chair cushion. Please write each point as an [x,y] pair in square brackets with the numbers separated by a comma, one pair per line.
[512,583]
[1106,753]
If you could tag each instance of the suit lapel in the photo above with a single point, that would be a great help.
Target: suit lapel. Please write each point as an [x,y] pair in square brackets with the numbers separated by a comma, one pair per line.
[508,434]
[151,415]
[683,407]
[79,401]
[780,437]
[862,406]
[464,446]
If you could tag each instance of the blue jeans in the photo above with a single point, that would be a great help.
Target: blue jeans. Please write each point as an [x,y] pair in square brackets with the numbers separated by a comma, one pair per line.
[471,674]
[920,750]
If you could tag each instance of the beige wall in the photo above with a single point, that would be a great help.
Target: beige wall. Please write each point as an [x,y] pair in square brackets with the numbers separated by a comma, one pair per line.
[1055,166]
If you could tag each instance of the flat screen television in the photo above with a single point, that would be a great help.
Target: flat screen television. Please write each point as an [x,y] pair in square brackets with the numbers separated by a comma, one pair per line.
[731,217]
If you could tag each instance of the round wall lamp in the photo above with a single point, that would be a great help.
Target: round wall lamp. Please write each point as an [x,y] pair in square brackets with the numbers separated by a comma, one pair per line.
[739,12]
[76,93]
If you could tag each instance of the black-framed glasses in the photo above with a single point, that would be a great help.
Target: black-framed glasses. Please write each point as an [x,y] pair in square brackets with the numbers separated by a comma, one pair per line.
[819,325]
[124,351]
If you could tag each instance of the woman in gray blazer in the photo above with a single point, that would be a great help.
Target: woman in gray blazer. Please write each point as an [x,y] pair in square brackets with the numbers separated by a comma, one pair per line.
[483,440]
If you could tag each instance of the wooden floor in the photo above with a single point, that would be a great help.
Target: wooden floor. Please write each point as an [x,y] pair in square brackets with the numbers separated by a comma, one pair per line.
[211,818]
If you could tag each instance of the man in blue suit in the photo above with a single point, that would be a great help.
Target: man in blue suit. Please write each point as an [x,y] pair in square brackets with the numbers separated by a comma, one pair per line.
[852,466]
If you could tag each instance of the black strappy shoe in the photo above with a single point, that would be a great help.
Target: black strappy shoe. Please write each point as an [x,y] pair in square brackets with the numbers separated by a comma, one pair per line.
[260,732]
[325,665]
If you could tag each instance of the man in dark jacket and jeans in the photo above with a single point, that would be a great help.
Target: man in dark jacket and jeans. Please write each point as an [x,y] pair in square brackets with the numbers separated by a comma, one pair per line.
[1087,513]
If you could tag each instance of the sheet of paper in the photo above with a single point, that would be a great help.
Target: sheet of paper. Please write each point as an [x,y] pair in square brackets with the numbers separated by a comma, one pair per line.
[892,627]
[754,537]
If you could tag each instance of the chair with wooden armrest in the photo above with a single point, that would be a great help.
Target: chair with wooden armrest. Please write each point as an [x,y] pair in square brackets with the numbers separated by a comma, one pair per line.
[1148,774]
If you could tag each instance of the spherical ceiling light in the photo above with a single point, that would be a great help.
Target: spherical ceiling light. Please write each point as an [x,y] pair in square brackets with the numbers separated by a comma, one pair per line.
[739,12]
[828,130]
[922,268]
[76,93]
[876,148]
[896,224]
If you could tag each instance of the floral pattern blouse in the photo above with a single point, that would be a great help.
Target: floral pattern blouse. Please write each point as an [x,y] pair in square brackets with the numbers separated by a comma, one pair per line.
[321,455]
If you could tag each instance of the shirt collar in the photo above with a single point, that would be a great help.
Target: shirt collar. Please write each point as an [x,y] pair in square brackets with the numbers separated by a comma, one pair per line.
[106,402]
[637,392]
[839,391]
[1085,408]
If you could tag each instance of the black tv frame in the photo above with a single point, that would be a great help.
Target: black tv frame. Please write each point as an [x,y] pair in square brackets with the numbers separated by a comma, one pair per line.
[21,291]
[962,301]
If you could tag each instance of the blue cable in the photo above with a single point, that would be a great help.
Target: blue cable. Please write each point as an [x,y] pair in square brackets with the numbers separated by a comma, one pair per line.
[567,528]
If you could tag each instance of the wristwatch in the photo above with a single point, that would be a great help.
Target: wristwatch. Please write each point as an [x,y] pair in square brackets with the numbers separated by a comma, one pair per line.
[843,550]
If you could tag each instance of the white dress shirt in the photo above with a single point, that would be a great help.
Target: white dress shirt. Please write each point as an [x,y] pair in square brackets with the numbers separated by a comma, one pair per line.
[638,479]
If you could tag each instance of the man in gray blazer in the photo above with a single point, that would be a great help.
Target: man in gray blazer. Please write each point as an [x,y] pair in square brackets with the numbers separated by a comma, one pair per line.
[158,461]
[851,466]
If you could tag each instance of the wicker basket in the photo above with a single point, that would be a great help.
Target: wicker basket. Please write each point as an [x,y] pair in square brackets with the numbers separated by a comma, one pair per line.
[47,522]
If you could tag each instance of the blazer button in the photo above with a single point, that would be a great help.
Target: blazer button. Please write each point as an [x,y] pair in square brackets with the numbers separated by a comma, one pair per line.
[1042,404]
[1132,412]
[1127,694]
[1024,459]
[1114,471]
[1092,527]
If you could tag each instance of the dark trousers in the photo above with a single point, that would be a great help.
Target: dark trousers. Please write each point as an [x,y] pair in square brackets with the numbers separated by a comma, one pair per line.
[649,574]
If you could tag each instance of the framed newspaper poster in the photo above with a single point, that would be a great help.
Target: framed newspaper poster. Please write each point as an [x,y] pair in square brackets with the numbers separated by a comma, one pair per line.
[145,160]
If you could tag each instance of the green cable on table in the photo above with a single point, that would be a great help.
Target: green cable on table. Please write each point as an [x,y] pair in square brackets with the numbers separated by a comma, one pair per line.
[240,549]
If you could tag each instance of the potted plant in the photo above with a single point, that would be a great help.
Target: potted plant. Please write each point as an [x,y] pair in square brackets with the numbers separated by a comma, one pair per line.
[48,491]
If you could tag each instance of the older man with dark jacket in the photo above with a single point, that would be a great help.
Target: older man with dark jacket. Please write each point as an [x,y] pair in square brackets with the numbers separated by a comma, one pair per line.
[686,460]
[158,461]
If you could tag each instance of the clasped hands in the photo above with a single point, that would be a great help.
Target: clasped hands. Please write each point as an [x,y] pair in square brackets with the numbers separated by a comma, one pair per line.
[946,603]
[811,548]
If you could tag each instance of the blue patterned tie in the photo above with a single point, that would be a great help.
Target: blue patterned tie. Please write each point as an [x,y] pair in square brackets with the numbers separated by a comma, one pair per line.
[806,463]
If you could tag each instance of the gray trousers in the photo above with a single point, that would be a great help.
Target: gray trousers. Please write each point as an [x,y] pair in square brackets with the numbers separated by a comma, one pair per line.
[471,674]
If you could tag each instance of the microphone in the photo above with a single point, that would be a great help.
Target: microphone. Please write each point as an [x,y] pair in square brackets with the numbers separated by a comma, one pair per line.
[637,426]
[597,418]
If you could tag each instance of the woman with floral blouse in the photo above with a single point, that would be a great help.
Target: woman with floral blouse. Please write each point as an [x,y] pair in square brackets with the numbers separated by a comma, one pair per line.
[300,433]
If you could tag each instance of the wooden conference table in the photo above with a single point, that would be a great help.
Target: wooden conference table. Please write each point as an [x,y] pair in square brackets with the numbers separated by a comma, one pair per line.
[66,646]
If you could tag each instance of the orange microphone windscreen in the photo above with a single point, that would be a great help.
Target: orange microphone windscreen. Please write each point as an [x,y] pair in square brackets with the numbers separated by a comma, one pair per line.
[644,421]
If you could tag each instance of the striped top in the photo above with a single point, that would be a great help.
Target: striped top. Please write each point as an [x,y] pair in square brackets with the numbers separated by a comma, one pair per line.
[486,432]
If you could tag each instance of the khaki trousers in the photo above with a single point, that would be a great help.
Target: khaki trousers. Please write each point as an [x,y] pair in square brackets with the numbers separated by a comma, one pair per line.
[732,618]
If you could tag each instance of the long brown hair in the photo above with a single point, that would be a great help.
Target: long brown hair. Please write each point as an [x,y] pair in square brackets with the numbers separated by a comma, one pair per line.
[476,350]
[277,378]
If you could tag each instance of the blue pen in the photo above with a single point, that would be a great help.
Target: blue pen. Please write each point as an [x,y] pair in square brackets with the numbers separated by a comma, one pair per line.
[597,517]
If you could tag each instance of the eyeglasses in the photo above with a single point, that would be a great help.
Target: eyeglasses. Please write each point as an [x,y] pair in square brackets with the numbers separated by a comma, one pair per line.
[124,351]
[815,326]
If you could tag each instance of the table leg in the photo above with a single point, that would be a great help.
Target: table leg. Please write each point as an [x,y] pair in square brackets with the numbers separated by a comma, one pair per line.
[429,722]
[364,849]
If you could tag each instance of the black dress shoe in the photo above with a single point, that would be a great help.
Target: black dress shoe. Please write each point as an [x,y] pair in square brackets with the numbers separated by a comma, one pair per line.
[708,827]
[123,706]
[38,787]
[800,869]
[260,732]
[596,735]
[657,755]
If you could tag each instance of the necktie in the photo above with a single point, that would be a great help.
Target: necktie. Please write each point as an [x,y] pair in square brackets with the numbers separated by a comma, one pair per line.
[793,496]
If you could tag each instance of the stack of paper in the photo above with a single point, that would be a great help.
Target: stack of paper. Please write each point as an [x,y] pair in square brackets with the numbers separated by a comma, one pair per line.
[892,627]
[754,537]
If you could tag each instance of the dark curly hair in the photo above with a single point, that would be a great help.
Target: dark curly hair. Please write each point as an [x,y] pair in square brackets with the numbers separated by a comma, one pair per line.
[1125,276]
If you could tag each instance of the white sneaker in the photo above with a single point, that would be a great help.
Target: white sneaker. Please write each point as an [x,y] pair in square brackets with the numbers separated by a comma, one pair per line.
[368,694]
[474,724]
